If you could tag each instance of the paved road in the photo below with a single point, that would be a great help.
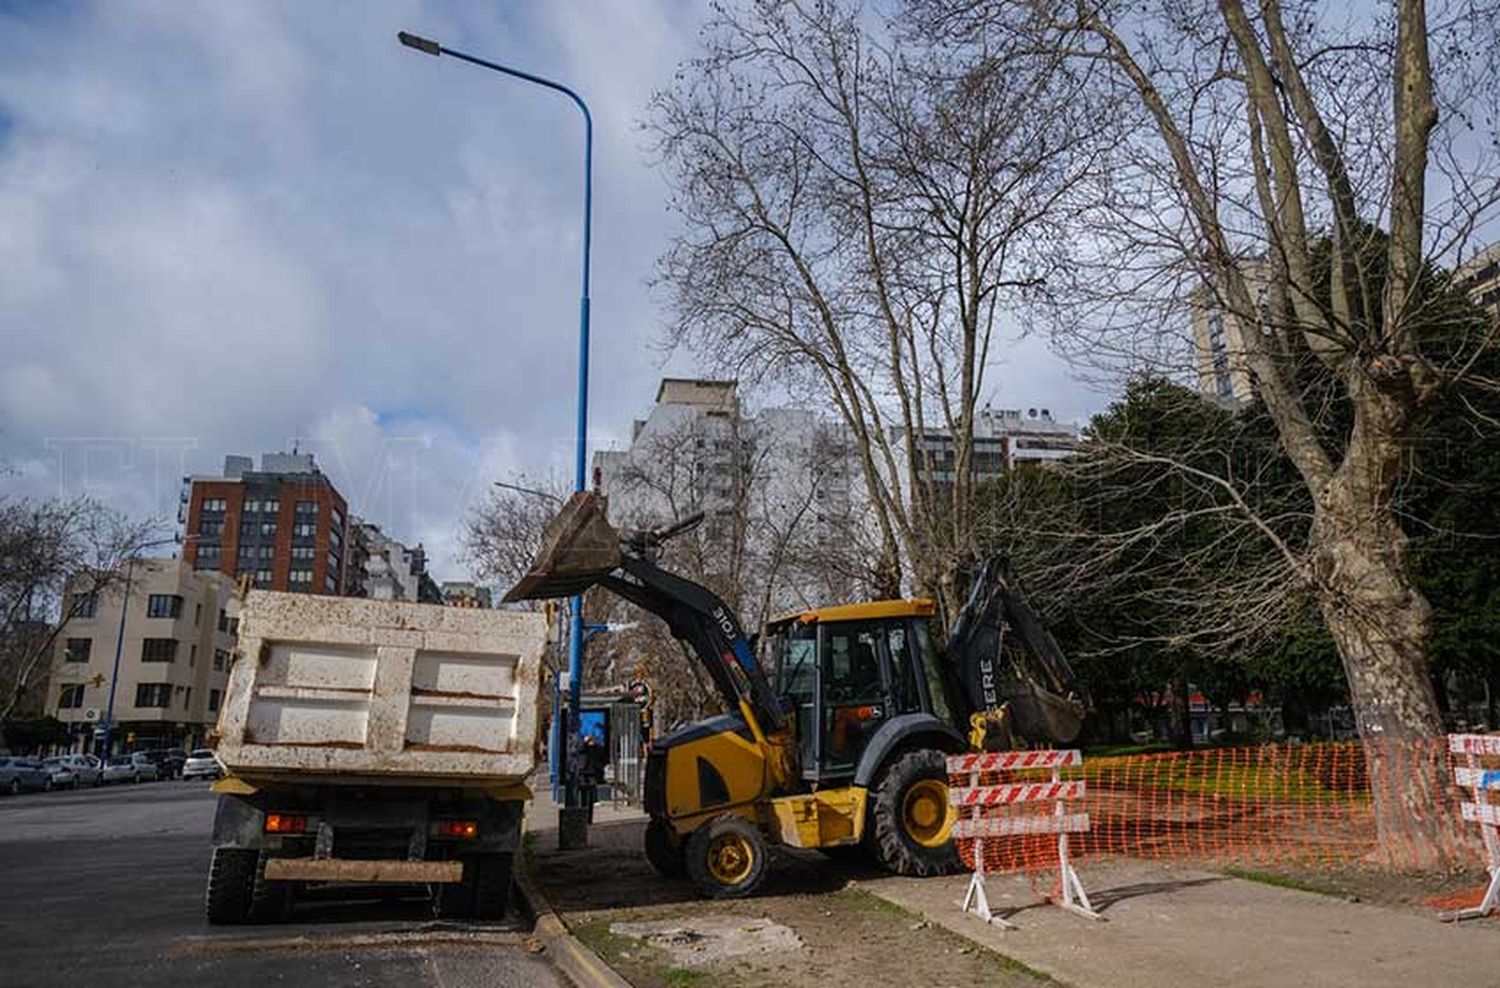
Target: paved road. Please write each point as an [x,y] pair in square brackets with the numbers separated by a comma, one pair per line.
[104,887]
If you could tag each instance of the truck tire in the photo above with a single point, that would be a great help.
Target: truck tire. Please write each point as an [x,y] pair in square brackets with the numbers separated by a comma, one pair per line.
[231,885]
[913,823]
[270,902]
[664,850]
[492,885]
[726,858]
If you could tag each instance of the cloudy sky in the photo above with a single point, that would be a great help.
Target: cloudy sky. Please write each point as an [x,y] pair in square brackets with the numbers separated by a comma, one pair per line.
[229,227]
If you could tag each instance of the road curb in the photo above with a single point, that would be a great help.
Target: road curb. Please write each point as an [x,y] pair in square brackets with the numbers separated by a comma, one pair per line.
[572,956]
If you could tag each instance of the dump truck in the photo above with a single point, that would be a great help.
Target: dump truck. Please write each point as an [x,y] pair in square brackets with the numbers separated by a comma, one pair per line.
[841,743]
[377,742]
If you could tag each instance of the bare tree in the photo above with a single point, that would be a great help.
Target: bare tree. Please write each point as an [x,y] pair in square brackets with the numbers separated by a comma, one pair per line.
[857,211]
[56,558]
[1287,165]
[503,534]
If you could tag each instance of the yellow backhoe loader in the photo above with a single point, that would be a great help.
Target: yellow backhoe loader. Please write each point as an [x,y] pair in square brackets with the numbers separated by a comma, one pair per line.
[844,744]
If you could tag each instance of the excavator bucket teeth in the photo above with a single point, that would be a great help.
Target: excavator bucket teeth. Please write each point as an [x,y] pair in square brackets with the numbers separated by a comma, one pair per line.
[578,547]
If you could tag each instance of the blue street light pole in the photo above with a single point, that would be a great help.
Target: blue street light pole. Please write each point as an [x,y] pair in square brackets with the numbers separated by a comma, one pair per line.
[580,468]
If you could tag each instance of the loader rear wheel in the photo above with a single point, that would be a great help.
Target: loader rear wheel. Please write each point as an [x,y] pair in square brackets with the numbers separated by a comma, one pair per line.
[231,885]
[913,823]
[726,858]
[664,850]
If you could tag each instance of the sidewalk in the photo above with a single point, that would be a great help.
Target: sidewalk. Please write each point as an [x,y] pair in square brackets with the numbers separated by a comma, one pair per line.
[1173,926]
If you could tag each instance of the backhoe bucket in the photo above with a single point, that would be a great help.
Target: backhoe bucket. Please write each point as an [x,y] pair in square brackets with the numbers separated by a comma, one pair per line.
[578,547]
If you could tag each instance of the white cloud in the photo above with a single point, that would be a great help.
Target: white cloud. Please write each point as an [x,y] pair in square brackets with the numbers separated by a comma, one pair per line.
[225,226]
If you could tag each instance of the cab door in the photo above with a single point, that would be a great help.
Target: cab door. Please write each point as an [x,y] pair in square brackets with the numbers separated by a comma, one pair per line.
[853,690]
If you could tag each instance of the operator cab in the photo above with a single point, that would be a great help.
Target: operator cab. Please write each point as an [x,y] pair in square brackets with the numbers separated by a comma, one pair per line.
[845,671]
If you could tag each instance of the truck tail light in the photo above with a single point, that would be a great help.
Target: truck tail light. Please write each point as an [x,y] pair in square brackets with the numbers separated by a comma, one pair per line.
[466,829]
[286,823]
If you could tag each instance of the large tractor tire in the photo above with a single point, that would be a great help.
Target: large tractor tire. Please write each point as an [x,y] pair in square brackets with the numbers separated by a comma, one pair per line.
[664,850]
[912,823]
[727,858]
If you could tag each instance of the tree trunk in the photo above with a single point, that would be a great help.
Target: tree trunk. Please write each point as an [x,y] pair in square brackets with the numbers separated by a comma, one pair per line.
[1382,625]
[1181,714]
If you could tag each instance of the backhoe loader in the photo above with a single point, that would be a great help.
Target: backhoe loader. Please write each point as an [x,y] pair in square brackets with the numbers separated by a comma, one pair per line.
[844,745]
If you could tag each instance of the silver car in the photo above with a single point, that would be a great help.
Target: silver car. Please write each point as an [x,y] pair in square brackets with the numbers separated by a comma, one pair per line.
[74,770]
[20,774]
[121,768]
[201,764]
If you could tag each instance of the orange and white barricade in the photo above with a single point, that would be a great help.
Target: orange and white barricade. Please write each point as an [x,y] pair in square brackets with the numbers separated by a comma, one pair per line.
[976,798]
[1483,784]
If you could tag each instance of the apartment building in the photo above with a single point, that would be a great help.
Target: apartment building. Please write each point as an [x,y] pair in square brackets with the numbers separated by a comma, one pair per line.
[382,568]
[174,658]
[282,527]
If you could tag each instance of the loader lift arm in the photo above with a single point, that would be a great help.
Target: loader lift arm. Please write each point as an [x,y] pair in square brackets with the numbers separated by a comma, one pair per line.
[581,549]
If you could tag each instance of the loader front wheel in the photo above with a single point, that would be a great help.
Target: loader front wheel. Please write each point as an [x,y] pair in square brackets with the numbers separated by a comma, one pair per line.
[913,823]
[726,858]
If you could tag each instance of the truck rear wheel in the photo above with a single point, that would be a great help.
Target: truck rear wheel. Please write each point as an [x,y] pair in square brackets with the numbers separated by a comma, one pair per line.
[270,902]
[664,850]
[492,885]
[726,858]
[231,885]
[913,823]
[484,892]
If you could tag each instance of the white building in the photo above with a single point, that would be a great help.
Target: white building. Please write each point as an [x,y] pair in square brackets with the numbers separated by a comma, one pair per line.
[773,487]
[174,658]
[383,568]
[1219,336]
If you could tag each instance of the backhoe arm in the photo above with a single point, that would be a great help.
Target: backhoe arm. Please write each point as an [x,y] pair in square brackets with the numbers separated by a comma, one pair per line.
[581,549]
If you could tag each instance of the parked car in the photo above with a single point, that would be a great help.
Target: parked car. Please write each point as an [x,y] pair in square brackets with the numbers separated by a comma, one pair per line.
[201,764]
[121,768]
[63,776]
[85,770]
[21,774]
[169,761]
[146,770]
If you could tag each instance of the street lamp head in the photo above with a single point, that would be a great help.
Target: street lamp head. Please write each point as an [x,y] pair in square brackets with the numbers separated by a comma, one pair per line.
[419,43]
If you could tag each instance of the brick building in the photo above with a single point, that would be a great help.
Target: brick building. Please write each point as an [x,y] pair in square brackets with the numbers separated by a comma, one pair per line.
[282,526]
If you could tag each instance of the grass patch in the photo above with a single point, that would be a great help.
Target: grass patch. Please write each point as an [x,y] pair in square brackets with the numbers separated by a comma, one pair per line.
[679,977]
[529,840]
[1278,881]
[859,900]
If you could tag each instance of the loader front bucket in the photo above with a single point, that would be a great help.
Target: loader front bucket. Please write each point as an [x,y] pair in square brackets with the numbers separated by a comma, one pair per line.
[578,547]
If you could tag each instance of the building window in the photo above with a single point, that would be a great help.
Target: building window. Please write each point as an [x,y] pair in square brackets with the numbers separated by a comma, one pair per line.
[83,605]
[207,557]
[307,507]
[163,605]
[78,649]
[303,552]
[221,659]
[213,701]
[213,505]
[153,694]
[197,614]
[268,528]
[299,578]
[333,563]
[330,585]
[158,649]
[262,578]
[192,655]
[71,697]
[304,530]
[211,529]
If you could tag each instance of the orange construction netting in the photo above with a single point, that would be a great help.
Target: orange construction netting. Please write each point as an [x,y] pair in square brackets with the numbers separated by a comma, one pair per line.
[1306,804]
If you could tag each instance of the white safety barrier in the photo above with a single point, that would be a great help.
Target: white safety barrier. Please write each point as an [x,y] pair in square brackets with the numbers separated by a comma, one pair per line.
[976,798]
[1481,782]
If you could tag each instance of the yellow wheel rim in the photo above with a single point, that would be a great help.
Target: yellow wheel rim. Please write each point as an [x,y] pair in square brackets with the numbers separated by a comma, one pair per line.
[730,859]
[925,814]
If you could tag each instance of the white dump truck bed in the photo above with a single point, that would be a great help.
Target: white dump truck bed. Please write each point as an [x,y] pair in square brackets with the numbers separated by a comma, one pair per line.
[357,690]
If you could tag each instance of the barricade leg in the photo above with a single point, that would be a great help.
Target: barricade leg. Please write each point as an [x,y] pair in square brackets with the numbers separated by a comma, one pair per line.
[1488,904]
[976,896]
[1074,898]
